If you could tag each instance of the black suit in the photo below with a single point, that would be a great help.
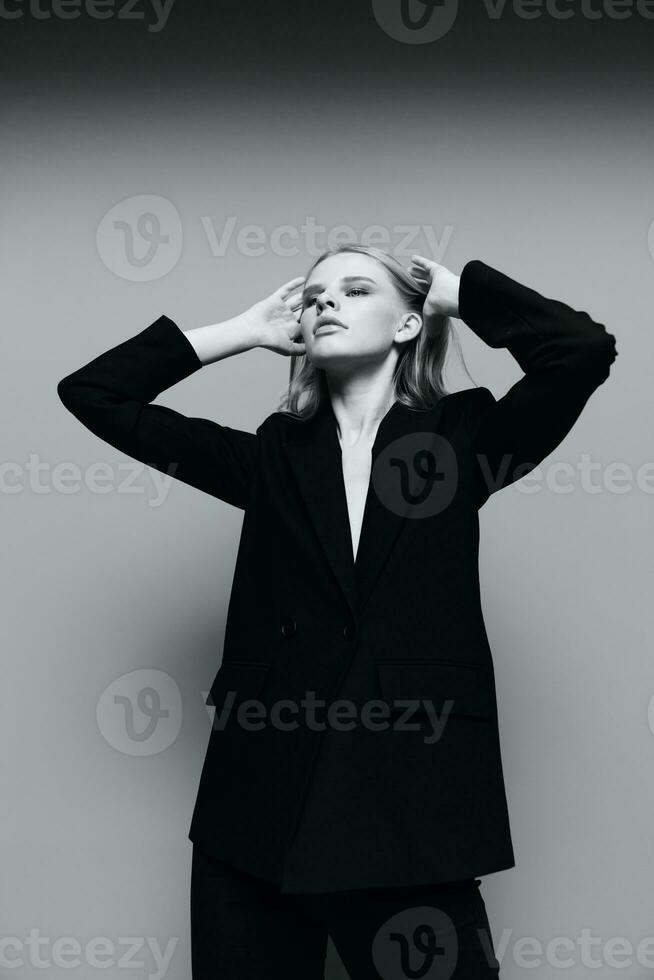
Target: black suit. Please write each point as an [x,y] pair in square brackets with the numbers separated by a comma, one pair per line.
[329,810]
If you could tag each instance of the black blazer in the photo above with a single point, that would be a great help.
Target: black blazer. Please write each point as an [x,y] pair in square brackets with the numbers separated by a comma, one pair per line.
[372,805]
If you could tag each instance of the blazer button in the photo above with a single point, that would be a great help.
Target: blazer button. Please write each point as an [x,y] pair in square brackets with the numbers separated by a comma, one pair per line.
[288,628]
[348,631]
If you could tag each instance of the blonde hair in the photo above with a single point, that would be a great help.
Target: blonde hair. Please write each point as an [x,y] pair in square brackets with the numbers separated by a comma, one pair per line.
[418,376]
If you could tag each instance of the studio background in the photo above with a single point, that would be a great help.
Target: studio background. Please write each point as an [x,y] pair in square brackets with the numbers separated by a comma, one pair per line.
[524,142]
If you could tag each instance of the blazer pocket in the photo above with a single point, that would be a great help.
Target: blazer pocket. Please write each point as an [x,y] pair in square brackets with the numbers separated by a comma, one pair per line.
[244,678]
[457,689]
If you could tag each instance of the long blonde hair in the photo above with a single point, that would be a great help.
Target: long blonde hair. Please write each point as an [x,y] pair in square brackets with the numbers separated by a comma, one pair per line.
[418,376]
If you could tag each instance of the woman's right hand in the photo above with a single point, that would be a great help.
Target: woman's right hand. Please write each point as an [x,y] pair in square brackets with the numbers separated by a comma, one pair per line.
[276,319]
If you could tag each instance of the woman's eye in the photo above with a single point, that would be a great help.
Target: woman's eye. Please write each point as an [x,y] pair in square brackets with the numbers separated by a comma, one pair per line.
[353,289]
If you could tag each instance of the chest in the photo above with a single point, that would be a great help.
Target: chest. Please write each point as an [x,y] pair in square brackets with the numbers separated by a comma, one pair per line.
[356,462]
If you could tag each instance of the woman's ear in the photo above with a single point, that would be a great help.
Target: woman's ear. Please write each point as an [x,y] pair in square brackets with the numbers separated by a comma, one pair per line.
[409,327]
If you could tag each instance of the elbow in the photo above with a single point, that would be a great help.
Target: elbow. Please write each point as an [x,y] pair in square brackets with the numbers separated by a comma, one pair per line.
[600,356]
[71,395]
[64,392]
[592,353]
[608,350]
[597,346]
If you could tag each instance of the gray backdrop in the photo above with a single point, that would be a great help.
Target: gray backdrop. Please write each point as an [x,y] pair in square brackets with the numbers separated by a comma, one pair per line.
[502,141]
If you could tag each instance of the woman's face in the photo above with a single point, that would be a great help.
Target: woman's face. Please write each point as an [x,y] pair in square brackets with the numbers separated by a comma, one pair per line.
[357,291]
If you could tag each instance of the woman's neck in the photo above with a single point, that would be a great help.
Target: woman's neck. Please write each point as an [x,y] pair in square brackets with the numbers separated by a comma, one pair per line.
[359,414]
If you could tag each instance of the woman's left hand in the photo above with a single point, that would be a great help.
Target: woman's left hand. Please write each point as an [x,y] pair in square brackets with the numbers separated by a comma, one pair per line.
[443,296]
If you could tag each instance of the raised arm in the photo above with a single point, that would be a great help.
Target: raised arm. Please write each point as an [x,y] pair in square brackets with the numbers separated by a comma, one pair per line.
[111,396]
[565,356]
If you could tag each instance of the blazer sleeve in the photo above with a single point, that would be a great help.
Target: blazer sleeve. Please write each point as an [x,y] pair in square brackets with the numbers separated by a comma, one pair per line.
[112,395]
[565,356]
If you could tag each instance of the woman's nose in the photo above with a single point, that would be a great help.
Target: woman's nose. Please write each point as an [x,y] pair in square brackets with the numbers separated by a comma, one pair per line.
[322,303]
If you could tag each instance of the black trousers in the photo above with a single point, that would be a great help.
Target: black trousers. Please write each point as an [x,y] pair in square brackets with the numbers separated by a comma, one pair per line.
[242,928]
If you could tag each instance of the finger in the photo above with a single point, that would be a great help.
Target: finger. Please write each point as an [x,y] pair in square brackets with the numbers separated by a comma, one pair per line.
[295,300]
[289,286]
[422,262]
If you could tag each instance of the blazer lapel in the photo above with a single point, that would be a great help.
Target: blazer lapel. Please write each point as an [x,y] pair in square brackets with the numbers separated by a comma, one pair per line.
[383,524]
[314,452]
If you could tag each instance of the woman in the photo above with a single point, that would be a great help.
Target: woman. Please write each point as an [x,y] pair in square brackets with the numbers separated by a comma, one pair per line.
[353,783]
